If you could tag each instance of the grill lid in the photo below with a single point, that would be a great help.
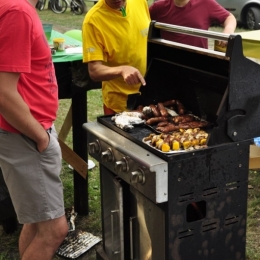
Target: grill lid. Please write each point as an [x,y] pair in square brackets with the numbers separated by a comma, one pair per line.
[222,88]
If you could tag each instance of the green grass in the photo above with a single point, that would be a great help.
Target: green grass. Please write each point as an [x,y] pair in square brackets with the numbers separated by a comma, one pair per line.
[253,221]
[66,20]
[92,222]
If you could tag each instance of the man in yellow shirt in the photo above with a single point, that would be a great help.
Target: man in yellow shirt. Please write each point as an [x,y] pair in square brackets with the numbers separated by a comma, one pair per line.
[114,34]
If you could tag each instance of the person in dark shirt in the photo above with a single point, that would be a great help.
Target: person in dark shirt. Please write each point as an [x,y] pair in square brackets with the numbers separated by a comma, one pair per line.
[199,14]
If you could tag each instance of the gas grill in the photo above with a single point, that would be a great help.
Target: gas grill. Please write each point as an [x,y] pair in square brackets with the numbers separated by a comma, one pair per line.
[188,205]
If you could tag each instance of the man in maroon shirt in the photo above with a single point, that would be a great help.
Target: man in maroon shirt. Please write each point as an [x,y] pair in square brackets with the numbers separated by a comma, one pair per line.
[199,14]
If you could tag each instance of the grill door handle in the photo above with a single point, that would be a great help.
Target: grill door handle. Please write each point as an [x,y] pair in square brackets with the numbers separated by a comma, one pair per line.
[112,231]
[132,219]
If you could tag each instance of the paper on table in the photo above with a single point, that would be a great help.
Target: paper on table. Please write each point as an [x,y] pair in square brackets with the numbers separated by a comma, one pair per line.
[74,50]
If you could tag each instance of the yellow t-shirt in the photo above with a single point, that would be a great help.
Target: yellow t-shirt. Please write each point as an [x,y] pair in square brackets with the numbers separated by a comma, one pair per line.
[117,40]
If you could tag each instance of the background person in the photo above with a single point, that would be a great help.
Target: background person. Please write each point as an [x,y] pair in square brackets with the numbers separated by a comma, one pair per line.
[199,14]
[30,155]
[115,47]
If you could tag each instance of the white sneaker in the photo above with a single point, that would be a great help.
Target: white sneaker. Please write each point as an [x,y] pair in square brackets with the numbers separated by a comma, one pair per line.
[91,165]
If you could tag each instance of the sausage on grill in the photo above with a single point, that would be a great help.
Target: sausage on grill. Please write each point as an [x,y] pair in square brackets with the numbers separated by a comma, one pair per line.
[183,119]
[155,110]
[169,103]
[162,109]
[180,108]
[156,120]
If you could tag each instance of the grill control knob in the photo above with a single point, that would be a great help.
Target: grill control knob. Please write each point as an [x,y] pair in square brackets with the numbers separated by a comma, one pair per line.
[94,147]
[107,156]
[122,165]
[137,176]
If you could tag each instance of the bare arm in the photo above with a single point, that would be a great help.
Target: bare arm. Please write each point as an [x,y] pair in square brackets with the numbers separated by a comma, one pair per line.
[229,26]
[100,72]
[17,113]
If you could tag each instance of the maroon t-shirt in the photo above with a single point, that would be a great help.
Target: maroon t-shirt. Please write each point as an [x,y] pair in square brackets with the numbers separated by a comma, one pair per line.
[199,14]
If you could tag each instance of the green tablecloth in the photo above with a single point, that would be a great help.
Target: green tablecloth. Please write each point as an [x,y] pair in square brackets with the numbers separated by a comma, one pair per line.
[71,45]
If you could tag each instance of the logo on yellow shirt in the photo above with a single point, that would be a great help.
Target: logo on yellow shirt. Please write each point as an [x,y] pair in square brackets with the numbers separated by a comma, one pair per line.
[144,32]
[90,50]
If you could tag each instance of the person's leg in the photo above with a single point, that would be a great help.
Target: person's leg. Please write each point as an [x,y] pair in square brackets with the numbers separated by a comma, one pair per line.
[41,240]
[26,236]
[36,190]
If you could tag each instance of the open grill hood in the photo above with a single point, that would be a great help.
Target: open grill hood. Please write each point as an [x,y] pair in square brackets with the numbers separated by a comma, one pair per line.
[223,88]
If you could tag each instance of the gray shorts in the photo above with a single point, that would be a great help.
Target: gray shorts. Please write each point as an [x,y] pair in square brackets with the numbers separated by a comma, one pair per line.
[32,178]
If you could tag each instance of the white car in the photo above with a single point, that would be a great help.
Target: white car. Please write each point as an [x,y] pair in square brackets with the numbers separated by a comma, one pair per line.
[246,12]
